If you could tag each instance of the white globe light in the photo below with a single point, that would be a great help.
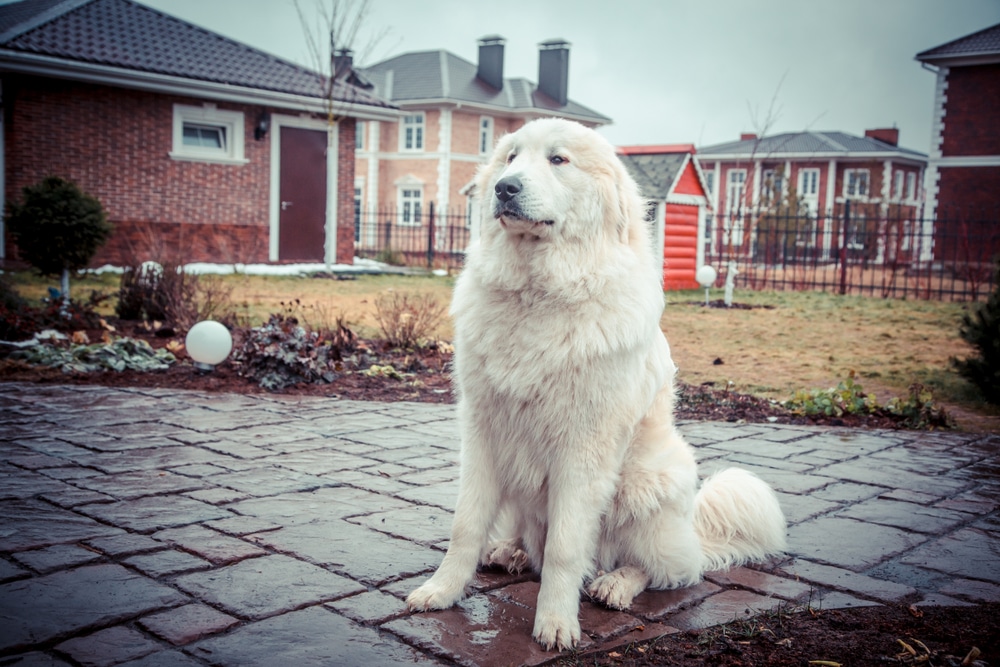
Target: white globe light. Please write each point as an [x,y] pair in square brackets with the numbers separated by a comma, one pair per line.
[706,276]
[209,343]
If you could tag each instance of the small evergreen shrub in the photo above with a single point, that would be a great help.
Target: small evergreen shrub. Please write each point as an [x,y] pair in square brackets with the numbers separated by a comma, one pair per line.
[981,330]
[57,226]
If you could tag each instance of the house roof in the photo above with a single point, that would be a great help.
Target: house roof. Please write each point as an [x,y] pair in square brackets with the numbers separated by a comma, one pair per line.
[808,145]
[440,76]
[125,43]
[657,169]
[978,48]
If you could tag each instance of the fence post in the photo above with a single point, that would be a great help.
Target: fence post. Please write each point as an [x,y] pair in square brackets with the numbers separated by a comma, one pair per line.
[430,236]
[843,246]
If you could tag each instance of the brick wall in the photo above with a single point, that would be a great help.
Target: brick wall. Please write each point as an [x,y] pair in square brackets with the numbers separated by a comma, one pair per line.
[115,144]
[970,120]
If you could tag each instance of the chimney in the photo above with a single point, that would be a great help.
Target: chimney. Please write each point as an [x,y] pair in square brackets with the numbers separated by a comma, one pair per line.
[553,69]
[748,136]
[490,69]
[889,135]
[343,63]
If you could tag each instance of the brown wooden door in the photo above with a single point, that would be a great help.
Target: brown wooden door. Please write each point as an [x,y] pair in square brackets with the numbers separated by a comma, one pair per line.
[302,217]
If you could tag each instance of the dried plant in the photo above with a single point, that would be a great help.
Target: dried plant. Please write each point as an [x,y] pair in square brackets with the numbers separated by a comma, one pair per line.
[408,320]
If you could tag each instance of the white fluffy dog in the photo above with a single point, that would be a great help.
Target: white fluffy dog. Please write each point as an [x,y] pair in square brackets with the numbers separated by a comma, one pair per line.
[570,459]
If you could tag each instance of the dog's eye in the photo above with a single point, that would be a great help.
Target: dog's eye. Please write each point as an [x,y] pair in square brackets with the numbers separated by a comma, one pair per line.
[510,158]
[558,159]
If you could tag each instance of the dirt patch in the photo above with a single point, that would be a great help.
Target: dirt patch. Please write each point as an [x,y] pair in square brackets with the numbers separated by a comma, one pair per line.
[930,636]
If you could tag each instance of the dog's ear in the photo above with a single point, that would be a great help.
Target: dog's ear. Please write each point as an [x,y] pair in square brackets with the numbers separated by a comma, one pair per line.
[623,203]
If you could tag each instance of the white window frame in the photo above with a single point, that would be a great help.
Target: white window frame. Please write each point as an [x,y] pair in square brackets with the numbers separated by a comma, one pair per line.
[360,127]
[485,135]
[911,186]
[737,188]
[417,122]
[897,184]
[230,123]
[850,174]
[406,194]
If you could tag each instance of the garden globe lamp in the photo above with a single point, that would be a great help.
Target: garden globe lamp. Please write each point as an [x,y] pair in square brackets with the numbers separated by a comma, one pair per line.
[208,343]
[706,276]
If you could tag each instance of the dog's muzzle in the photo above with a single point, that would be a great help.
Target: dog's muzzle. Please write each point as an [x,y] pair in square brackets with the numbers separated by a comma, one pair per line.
[507,206]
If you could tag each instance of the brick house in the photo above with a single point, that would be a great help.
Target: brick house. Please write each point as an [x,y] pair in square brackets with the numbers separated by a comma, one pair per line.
[199,147]
[823,170]
[452,113]
[670,179]
[963,180]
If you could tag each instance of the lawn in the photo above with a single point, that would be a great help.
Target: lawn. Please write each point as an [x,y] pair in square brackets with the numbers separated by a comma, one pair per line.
[788,341]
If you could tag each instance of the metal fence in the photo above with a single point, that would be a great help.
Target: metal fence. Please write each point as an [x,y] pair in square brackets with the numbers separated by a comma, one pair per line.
[412,235]
[869,250]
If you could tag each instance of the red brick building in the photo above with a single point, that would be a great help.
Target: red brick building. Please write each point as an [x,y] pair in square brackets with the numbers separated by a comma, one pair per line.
[964,167]
[200,148]
[823,170]
[453,111]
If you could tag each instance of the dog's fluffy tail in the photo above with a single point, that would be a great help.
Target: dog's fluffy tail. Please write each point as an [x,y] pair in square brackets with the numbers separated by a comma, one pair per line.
[738,520]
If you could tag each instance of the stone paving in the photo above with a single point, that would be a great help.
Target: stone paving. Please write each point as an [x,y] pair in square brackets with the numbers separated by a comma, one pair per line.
[148,527]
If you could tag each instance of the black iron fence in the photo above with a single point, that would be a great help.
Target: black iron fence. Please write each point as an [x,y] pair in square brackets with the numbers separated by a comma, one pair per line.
[413,236]
[871,250]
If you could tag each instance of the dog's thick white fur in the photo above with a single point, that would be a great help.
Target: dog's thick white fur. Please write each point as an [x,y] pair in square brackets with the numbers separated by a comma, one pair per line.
[570,459]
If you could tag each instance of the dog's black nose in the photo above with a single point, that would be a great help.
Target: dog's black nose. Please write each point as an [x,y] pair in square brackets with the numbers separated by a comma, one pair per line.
[506,188]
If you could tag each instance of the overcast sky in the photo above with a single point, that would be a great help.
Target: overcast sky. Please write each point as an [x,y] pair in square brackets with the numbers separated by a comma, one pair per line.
[672,71]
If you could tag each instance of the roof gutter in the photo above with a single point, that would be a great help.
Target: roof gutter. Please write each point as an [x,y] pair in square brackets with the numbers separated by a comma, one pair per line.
[21,63]
[855,155]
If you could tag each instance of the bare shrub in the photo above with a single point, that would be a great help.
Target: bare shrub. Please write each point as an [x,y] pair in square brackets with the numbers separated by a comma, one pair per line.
[169,294]
[408,320]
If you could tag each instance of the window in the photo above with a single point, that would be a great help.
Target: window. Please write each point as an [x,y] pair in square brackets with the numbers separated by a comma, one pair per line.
[710,182]
[411,132]
[855,182]
[809,183]
[359,135]
[358,194]
[485,135]
[207,134]
[736,179]
[897,185]
[772,187]
[734,189]
[410,204]
[911,186]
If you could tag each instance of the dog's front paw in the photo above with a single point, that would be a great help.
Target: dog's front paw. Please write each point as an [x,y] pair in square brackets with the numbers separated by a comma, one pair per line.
[558,632]
[433,595]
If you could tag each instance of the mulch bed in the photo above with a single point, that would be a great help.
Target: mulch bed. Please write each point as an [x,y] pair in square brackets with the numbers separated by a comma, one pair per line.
[929,636]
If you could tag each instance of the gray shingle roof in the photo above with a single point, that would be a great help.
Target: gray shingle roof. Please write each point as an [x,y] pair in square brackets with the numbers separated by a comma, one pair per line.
[441,75]
[124,34]
[655,174]
[984,42]
[805,144]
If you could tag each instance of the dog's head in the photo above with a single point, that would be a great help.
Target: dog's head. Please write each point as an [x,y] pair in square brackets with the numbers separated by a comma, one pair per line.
[554,178]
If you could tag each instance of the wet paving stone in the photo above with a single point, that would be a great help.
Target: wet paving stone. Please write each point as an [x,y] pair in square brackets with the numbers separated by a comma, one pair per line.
[125,544]
[266,586]
[186,624]
[31,524]
[215,547]
[362,554]
[36,659]
[762,583]
[41,609]
[479,631]
[370,607]
[9,571]
[835,577]
[419,523]
[847,543]
[292,509]
[334,640]
[908,516]
[964,553]
[144,515]
[147,458]
[138,484]
[108,647]
[163,563]
[724,607]
[58,557]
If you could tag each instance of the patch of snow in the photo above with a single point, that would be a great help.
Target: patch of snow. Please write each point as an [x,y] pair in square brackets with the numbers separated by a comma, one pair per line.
[360,265]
